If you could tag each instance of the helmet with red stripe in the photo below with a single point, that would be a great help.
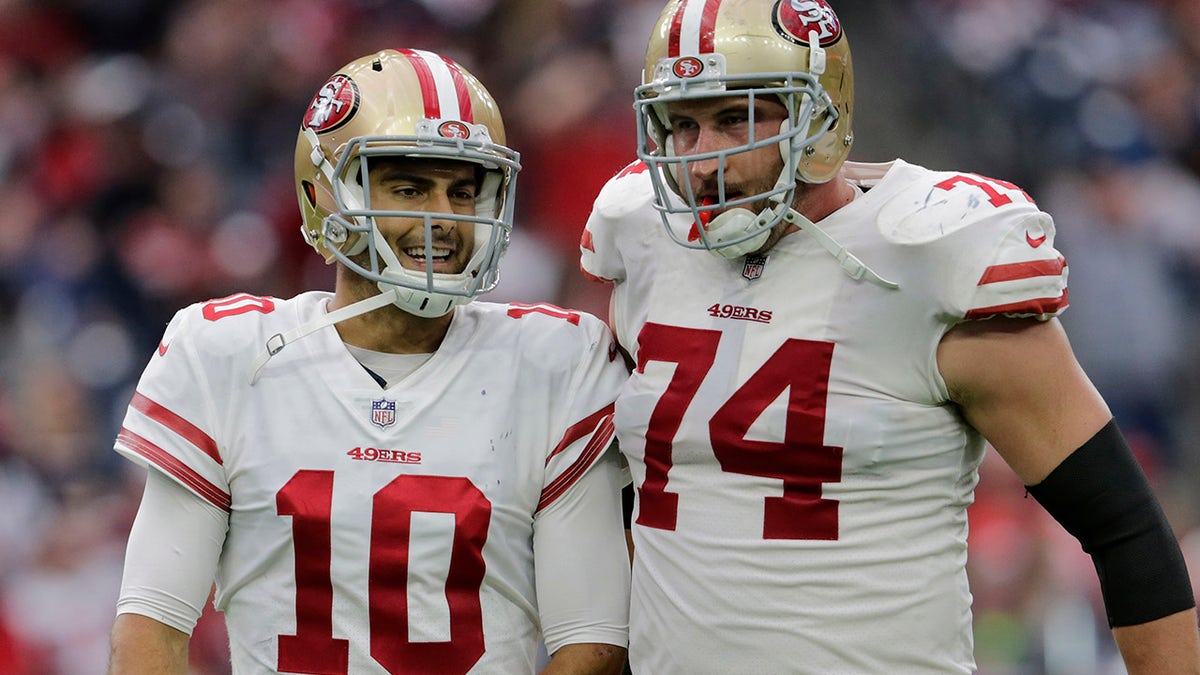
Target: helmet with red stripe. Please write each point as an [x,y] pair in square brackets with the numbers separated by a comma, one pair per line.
[408,104]
[793,51]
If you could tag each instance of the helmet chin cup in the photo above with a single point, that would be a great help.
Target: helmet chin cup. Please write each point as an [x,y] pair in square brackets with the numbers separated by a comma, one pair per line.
[417,292]
[421,303]
[733,226]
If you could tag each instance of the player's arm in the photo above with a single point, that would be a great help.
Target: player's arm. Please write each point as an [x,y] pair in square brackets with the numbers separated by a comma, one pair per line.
[1018,383]
[144,645]
[591,658]
[582,574]
[170,562]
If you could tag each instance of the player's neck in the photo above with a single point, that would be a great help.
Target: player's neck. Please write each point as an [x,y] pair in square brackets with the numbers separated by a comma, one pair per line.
[388,329]
[817,201]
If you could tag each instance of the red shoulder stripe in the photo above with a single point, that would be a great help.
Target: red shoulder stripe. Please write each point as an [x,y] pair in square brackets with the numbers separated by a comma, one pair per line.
[170,464]
[566,479]
[1023,270]
[177,424]
[1037,306]
[582,428]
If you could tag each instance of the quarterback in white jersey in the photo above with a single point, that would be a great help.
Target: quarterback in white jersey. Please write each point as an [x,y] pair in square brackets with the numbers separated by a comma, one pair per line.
[819,350]
[422,484]
[388,530]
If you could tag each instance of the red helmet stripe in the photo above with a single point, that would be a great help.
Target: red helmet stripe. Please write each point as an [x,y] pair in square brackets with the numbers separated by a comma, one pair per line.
[693,28]
[708,26]
[428,85]
[676,29]
[464,94]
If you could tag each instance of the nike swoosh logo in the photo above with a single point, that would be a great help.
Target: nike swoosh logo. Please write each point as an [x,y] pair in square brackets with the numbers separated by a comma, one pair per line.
[1035,241]
[162,348]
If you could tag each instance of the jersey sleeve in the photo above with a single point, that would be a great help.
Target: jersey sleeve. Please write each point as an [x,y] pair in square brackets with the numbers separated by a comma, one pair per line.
[980,247]
[1019,272]
[599,248]
[169,425]
[588,410]
[581,560]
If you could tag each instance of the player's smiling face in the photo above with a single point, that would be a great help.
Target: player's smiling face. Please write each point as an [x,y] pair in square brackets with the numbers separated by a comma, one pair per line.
[430,186]
[714,124]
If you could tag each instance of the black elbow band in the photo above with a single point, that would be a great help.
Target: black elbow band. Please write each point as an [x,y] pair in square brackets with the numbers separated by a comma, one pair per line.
[1101,496]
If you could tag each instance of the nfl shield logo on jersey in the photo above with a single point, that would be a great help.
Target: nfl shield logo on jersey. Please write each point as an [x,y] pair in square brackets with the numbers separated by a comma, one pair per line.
[383,413]
[753,268]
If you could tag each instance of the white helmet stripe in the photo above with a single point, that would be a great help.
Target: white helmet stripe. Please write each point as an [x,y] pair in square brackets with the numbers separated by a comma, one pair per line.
[692,30]
[443,87]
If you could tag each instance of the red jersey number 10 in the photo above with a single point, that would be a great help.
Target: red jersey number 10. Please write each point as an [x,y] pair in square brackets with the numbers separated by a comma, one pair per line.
[308,500]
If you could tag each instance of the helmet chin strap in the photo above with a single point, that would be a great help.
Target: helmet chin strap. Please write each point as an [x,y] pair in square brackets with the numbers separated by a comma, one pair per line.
[738,221]
[281,340]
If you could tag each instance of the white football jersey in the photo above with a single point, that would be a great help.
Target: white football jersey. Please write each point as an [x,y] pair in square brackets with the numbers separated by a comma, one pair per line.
[802,476]
[378,530]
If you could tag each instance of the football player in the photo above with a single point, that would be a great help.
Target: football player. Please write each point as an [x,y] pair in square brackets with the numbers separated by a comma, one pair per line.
[388,478]
[821,349]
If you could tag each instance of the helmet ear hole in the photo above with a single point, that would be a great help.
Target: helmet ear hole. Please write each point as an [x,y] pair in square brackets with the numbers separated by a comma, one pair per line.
[310,192]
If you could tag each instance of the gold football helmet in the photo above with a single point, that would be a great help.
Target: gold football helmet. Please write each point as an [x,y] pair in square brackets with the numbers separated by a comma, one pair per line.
[792,50]
[406,103]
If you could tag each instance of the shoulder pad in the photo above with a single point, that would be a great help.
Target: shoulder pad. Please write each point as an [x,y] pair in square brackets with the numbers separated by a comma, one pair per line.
[230,325]
[550,336]
[543,318]
[625,192]
[935,204]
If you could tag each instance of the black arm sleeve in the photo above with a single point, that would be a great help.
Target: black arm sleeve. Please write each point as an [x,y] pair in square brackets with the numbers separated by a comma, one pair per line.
[1101,496]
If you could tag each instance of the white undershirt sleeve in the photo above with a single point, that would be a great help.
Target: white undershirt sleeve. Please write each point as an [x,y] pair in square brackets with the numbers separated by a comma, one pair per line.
[172,554]
[581,564]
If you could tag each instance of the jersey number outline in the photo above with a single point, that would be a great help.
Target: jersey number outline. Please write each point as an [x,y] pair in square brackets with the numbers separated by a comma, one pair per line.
[802,461]
[988,185]
[238,303]
[517,310]
[308,499]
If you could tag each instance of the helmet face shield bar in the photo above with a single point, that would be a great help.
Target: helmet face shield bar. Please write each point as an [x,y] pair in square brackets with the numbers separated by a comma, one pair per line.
[400,104]
[355,217]
[791,51]
[801,95]
[405,104]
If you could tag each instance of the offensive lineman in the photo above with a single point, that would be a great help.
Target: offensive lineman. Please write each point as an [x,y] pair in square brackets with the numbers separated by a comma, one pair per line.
[821,348]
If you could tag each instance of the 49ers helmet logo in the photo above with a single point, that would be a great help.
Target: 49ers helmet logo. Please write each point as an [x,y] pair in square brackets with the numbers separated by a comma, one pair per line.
[454,129]
[794,20]
[334,105]
[688,66]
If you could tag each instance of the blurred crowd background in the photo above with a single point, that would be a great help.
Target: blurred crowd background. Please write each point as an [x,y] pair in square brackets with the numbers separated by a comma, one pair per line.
[146,163]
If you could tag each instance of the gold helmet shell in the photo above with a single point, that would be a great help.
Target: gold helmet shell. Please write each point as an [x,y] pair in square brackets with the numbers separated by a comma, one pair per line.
[791,51]
[402,103]
[763,44]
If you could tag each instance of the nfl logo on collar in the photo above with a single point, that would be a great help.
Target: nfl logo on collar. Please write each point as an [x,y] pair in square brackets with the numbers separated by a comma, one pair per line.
[753,268]
[383,413]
